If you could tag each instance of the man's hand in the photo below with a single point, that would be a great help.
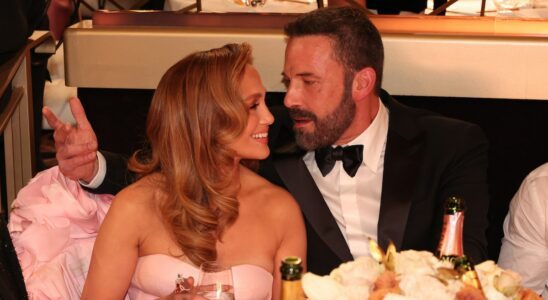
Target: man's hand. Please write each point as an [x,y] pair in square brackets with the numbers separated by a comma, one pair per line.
[76,146]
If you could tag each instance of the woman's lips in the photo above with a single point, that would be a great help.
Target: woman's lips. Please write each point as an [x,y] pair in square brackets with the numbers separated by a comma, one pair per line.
[261,137]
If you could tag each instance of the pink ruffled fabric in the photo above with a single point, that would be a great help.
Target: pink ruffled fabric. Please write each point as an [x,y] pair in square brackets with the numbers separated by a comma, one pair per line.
[53,226]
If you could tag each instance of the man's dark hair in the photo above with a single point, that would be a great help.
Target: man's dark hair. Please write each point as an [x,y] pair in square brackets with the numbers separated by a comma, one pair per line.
[356,41]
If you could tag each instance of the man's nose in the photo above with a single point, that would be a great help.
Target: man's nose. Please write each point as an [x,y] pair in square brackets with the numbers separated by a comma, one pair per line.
[292,97]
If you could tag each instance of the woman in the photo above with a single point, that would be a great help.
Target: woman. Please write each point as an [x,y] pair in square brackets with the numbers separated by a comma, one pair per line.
[196,200]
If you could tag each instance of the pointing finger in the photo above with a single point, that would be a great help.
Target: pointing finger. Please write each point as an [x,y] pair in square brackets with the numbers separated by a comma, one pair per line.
[79,114]
[51,118]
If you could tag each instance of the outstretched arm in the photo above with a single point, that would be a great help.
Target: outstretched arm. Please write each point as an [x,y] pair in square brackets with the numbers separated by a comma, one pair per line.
[77,156]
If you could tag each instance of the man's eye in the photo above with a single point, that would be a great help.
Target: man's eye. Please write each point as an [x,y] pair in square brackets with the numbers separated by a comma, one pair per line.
[285,82]
[309,82]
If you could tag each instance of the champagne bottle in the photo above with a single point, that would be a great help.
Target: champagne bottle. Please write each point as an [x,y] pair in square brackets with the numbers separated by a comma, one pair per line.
[466,270]
[291,270]
[450,245]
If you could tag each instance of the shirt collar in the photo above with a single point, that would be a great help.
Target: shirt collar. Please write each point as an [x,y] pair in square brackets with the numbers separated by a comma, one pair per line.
[373,140]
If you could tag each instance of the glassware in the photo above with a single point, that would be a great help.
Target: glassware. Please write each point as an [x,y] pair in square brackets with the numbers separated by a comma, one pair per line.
[506,7]
[253,3]
[215,282]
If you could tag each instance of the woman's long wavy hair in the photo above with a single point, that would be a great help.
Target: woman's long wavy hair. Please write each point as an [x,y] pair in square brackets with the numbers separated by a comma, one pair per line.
[195,113]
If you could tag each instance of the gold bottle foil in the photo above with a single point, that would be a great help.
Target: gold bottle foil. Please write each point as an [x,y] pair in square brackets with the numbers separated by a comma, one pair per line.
[292,290]
[471,278]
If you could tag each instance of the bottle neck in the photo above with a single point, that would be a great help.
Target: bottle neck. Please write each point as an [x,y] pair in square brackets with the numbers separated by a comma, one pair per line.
[292,290]
[451,236]
[291,277]
[291,272]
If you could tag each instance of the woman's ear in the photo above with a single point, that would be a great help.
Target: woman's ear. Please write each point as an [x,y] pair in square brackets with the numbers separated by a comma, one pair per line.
[363,84]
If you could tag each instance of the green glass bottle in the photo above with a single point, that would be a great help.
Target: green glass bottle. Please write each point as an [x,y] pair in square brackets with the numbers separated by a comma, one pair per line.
[291,270]
[450,245]
[466,270]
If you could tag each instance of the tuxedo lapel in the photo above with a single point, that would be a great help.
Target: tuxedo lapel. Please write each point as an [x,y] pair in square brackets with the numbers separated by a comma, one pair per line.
[301,185]
[401,163]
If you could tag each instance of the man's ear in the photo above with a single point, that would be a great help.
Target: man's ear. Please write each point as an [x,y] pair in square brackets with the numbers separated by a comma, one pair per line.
[363,84]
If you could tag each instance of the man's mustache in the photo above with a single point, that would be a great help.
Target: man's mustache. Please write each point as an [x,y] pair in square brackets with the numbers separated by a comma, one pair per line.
[295,113]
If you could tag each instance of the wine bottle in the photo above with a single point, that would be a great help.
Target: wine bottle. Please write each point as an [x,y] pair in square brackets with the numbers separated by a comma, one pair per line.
[291,270]
[450,245]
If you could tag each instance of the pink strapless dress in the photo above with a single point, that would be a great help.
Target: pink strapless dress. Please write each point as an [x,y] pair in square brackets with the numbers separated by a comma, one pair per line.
[250,282]
[53,225]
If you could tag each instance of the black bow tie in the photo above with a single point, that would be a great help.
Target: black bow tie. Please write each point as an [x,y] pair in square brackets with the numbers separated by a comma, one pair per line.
[351,156]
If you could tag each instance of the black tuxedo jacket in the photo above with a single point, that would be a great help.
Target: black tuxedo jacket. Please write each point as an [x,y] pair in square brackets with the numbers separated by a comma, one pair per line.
[428,158]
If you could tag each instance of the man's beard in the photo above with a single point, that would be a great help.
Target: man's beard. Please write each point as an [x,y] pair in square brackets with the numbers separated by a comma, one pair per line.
[329,129]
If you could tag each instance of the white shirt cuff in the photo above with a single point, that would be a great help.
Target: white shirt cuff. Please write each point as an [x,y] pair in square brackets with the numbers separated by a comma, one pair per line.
[100,176]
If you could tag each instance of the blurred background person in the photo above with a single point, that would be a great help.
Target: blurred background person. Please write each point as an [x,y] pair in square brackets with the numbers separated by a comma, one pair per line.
[525,243]
[18,20]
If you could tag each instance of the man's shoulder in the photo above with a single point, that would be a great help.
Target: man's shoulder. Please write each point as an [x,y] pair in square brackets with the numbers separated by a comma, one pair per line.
[443,132]
[435,121]
[407,116]
[536,182]
[539,173]
[268,167]
[429,122]
[428,117]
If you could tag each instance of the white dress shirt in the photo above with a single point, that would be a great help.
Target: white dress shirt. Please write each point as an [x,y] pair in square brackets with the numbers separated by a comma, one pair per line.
[355,201]
[525,244]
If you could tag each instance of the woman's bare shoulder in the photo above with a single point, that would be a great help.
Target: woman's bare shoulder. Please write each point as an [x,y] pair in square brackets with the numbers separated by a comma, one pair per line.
[270,196]
[142,195]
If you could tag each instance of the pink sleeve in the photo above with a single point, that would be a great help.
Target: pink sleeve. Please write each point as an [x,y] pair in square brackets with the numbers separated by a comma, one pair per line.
[53,225]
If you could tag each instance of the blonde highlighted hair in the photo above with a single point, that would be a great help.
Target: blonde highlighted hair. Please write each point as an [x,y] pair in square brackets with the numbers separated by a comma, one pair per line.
[195,113]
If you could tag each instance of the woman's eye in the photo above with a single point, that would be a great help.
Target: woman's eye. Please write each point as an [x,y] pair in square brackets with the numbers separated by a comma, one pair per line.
[254,105]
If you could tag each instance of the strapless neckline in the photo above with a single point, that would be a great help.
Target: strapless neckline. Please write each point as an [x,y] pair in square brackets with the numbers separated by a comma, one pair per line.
[155,276]
[166,256]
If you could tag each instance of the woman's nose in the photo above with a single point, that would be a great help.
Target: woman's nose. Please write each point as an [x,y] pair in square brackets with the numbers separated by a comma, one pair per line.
[267,118]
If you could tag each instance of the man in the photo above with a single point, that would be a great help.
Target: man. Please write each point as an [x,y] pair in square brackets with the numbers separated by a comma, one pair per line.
[525,243]
[406,163]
